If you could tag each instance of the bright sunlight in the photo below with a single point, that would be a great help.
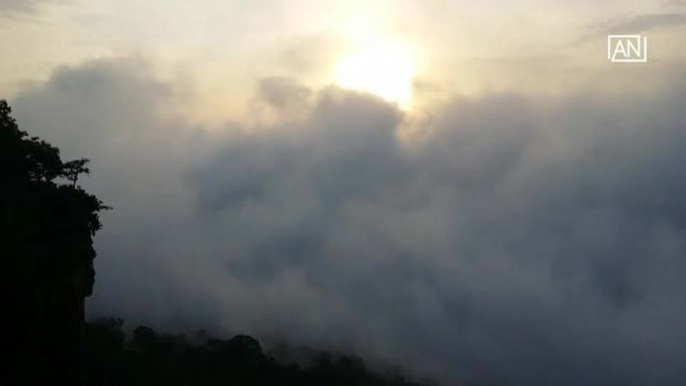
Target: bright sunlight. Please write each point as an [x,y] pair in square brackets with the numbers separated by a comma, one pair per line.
[380,67]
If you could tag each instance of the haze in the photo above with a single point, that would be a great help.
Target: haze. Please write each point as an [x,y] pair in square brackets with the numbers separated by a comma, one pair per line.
[468,189]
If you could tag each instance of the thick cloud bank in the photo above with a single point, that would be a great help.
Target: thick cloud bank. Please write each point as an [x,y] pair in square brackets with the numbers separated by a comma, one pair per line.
[514,239]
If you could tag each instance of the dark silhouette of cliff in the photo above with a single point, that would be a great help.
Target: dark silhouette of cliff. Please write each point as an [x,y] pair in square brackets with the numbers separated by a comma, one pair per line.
[47,223]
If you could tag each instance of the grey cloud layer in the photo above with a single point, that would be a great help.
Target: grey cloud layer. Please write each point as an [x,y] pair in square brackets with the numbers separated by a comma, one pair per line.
[520,240]
[10,8]
[643,23]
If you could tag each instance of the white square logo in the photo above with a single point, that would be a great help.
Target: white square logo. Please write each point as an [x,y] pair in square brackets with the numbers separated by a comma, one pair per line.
[627,48]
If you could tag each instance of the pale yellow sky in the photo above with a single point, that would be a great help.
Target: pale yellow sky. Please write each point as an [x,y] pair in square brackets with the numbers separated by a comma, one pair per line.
[222,48]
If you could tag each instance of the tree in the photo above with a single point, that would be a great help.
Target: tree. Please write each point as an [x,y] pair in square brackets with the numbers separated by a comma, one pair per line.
[46,253]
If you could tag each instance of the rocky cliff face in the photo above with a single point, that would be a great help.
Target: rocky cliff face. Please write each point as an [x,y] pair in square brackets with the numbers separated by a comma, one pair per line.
[46,257]
[61,346]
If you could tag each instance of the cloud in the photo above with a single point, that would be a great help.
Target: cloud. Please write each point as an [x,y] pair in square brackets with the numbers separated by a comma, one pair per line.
[643,23]
[284,93]
[515,239]
[633,25]
[307,55]
[13,8]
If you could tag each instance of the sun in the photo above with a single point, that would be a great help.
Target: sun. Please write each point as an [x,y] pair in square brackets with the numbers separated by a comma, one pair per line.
[380,67]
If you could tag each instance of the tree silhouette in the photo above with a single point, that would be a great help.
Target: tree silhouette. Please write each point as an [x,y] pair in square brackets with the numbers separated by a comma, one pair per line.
[152,358]
[46,255]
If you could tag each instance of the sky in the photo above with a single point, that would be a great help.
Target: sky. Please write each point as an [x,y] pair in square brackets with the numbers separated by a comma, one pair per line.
[470,190]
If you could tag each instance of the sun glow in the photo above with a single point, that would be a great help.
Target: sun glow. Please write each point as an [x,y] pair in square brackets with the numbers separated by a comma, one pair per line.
[380,67]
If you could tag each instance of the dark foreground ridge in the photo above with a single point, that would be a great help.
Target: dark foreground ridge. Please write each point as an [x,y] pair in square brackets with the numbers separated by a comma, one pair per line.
[148,358]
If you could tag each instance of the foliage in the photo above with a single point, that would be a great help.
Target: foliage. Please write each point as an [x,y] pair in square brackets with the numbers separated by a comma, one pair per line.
[46,227]
[162,359]
[47,223]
